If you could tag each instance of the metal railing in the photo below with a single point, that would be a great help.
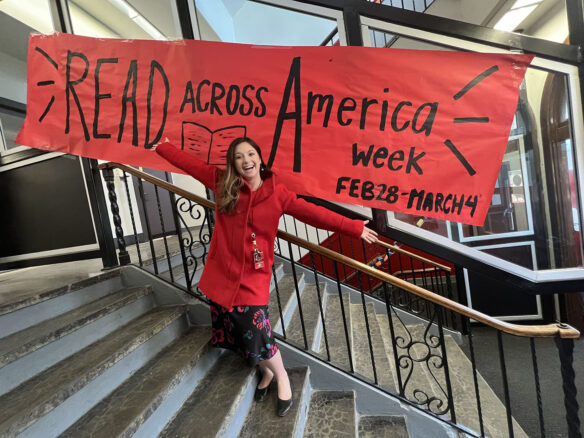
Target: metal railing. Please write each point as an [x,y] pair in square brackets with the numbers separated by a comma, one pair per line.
[421,364]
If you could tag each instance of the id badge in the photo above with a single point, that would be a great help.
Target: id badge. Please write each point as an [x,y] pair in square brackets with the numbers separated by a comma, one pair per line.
[258,259]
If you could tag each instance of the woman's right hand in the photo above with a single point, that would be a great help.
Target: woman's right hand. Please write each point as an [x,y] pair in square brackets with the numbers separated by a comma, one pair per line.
[155,145]
[368,235]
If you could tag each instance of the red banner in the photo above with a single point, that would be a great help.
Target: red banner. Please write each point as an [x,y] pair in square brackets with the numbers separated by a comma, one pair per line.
[421,132]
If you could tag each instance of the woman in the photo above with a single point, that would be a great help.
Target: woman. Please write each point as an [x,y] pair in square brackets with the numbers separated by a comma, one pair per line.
[237,273]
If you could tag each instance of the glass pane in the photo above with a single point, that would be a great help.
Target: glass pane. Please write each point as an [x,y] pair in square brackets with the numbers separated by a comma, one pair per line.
[18,20]
[242,21]
[388,40]
[410,5]
[10,124]
[508,212]
[538,18]
[535,200]
[34,14]
[140,19]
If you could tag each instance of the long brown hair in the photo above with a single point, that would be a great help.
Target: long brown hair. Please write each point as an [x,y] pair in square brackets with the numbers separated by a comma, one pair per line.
[231,182]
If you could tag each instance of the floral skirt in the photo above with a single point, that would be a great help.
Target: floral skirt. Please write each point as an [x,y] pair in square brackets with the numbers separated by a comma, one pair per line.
[245,330]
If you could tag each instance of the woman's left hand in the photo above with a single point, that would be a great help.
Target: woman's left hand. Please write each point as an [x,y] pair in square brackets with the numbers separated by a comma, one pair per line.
[368,235]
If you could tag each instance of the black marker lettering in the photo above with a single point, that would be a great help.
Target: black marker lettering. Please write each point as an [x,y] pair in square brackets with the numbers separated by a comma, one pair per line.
[133,78]
[396,113]
[242,111]
[261,111]
[189,97]
[292,84]
[232,100]
[69,89]
[347,104]
[428,122]
[322,101]
[200,107]
[156,67]
[99,96]
[215,97]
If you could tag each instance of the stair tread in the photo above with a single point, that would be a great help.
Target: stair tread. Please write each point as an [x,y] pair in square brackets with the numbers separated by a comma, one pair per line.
[331,413]
[287,292]
[384,367]
[361,351]
[204,413]
[126,408]
[178,273]
[493,409]
[311,316]
[23,296]
[335,331]
[36,397]
[262,419]
[28,340]
[382,426]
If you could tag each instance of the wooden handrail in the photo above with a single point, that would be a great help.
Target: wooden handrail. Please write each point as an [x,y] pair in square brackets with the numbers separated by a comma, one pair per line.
[415,271]
[160,183]
[535,331]
[412,255]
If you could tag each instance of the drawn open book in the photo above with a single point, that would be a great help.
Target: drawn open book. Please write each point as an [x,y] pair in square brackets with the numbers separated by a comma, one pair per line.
[209,146]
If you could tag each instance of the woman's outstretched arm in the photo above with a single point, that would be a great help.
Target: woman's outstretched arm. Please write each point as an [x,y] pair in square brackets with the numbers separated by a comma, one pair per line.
[198,169]
[321,217]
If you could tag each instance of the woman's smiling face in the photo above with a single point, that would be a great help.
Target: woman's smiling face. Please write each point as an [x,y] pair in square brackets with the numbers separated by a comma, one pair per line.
[247,161]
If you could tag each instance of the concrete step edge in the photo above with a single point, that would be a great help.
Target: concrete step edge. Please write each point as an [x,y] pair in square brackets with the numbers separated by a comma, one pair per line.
[93,311]
[115,411]
[12,306]
[30,412]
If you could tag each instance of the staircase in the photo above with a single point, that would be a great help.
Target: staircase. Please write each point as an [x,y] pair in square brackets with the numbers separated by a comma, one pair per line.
[123,354]
[127,354]
[417,349]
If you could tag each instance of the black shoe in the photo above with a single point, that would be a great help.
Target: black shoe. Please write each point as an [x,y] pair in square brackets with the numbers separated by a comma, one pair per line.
[260,394]
[284,406]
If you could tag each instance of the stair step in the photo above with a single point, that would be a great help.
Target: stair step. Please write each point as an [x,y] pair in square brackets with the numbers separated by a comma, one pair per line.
[384,367]
[287,292]
[131,404]
[373,426]
[311,316]
[331,413]
[40,395]
[335,331]
[213,406]
[178,271]
[493,410]
[28,295]
[23,307]
[361,351]
[383,324]
[26,341]
[262,419]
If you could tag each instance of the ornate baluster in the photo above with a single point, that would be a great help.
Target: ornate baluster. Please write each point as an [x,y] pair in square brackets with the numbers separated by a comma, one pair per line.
[108,176]
[566,349]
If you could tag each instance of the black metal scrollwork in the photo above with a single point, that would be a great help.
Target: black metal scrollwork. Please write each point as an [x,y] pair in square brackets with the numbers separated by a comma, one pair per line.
[195,251]
[420,360]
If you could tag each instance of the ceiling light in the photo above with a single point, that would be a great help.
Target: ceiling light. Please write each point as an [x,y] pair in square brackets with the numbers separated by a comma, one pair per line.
[521,3]
[514,17]
[138,18]
[149,28]
[125,7]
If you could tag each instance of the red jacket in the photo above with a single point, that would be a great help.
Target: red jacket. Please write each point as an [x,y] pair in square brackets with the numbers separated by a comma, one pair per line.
[229,277]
